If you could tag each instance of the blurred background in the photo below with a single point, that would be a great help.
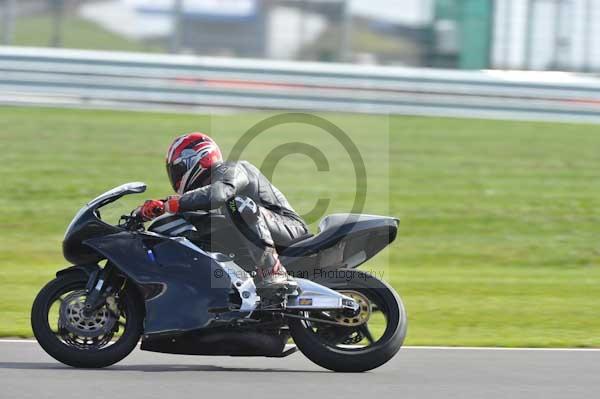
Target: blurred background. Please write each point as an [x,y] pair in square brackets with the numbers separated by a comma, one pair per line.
[464,34]
[477,121]
[486,58]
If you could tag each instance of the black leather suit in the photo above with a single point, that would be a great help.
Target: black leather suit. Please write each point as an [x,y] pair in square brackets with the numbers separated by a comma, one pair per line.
[258,209]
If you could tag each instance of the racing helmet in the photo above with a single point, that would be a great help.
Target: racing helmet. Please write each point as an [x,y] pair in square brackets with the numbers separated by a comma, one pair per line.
[189,160]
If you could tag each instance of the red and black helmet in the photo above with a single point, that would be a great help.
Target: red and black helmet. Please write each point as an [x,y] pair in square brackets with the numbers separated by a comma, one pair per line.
[189,158]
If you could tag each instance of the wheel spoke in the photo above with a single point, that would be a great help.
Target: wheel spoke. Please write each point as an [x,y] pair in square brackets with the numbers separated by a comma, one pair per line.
[364,330]
[352,333]
[59,332]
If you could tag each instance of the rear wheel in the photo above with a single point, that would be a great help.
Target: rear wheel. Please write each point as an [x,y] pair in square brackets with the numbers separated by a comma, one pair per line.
[358,342]
[97,340]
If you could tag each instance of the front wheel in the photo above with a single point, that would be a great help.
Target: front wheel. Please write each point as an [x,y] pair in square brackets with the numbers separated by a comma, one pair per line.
[93,341]
[359,342]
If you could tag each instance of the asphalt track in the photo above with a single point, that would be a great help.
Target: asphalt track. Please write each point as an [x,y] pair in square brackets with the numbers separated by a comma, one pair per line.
[27,372]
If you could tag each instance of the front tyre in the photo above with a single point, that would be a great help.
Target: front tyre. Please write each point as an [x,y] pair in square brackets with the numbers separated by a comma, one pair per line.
[357,343]
[99,340]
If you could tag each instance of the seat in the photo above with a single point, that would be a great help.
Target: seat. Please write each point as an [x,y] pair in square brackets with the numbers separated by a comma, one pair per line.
[332,229]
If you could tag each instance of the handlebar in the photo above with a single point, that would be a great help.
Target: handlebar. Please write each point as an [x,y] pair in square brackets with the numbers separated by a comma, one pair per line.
[132,222]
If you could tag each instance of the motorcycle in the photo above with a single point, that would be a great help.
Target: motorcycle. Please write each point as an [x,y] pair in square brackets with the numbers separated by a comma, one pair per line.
[194,297]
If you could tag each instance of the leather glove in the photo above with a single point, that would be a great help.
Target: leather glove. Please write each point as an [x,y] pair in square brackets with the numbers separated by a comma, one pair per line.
[151,209]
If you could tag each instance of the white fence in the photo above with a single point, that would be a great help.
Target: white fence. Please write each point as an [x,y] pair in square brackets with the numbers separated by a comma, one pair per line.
[118,80]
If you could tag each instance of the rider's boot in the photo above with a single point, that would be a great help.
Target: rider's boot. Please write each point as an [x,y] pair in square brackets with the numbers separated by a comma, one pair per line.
[271,277]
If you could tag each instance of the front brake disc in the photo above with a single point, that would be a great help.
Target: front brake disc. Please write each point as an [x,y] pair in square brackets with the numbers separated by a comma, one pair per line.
[102,322]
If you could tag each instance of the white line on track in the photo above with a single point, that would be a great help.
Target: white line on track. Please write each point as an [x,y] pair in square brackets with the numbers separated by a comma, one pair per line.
[495,348]
[475,348]
[18,341]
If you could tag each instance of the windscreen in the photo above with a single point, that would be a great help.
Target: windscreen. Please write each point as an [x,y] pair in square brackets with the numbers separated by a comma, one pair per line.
[128,188]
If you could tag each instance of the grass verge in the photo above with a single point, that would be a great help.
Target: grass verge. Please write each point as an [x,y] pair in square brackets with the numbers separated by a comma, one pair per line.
[498,243]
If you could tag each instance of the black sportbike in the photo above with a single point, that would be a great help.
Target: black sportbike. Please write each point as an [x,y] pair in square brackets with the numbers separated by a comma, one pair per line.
[177,286]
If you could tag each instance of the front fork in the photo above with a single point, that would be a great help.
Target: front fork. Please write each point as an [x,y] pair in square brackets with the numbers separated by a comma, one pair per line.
[98,289]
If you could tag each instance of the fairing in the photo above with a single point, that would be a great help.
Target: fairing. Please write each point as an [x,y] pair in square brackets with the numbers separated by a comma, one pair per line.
[87,224]
[190,284]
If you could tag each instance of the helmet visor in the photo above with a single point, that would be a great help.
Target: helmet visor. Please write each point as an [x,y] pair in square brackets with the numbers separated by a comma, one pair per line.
[176,171]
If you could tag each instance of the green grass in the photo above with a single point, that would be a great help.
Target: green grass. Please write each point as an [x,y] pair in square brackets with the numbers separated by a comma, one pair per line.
[77,33]
[498,242]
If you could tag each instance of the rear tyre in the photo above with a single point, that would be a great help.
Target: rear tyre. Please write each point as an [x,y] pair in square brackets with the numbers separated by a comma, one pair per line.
[353,348]
[85,342]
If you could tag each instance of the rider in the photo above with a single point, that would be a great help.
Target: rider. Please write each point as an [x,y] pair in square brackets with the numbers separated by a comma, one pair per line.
[203,181]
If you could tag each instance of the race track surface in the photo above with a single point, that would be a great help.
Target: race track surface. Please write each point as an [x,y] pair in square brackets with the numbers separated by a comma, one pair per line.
[27,372]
